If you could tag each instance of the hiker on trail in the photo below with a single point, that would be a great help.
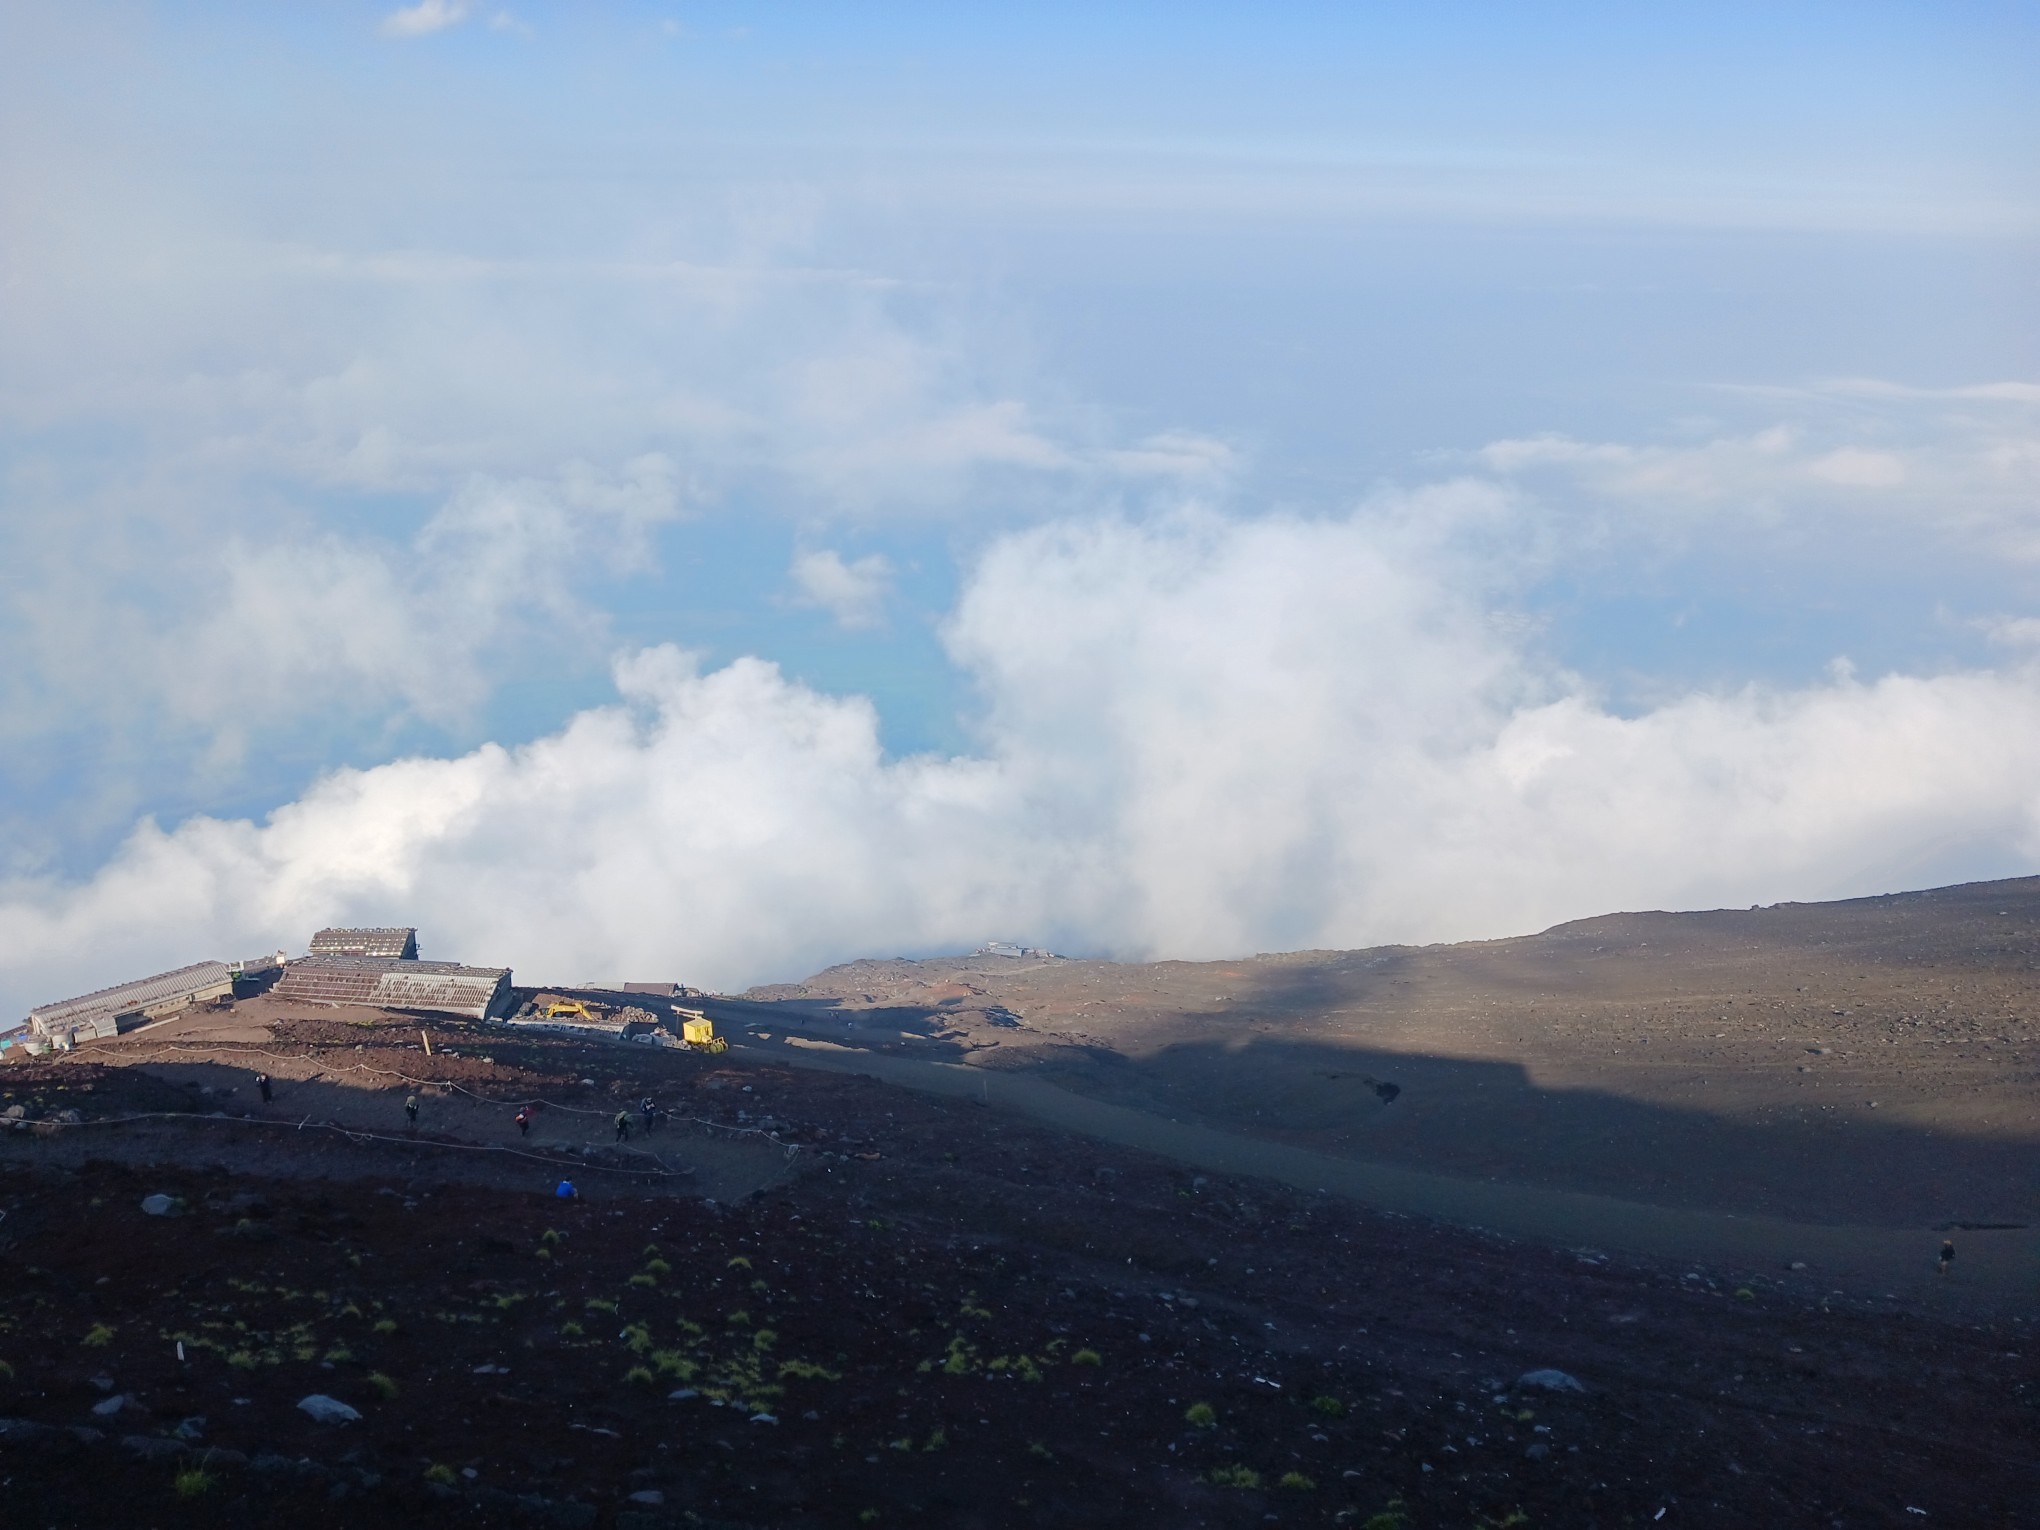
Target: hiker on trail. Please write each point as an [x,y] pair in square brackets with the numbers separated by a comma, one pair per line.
[623,1126]
[650,1110]
[411,1108]
[523,1119]
[1947,1254]
[262,1083]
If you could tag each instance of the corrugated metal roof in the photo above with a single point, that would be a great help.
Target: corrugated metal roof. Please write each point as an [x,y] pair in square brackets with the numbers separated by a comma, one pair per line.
[126,996]
[393,983]
[400,943]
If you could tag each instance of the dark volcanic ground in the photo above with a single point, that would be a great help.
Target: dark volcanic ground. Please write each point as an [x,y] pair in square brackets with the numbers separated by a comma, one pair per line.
[899,1310]
[1873,1062]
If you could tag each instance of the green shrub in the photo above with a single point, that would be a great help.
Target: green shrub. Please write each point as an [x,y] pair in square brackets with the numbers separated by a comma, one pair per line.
[385,1325]
[1201,1415]
[571,1329]
[1087,1357]
[382,1386]
[1235,1476]
[658,1267]
[638,1376]
[440,1473]
[1330,1407]
[1297,1481]
[644,1280]
[192,1482]
[807,1371]
[99,1337]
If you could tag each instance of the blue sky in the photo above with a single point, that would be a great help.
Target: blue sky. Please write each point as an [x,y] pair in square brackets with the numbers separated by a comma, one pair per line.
[1643,400]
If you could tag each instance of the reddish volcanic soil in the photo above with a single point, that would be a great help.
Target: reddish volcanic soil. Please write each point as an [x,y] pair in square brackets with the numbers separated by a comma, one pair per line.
[916,1295]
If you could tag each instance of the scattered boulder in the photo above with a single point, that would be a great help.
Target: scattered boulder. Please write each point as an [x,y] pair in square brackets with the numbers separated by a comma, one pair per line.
[152,1447]
[160,1205]
[327,1410]
[110,1406]
[1548,1381]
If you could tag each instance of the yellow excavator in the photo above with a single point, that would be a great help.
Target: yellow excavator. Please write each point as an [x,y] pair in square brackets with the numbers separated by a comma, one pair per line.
[565,1009]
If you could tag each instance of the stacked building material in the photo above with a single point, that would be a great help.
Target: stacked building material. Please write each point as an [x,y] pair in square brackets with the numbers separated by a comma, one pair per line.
[397,944]
[396,983]
[111,1010]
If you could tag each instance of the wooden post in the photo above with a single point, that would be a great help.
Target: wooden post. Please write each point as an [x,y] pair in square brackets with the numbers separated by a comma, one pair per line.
[427,1040]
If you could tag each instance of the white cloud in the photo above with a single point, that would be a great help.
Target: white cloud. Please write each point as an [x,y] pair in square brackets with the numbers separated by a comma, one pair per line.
[854,593]
[276,632]
[1202,736]
[1962,463]
[426,17]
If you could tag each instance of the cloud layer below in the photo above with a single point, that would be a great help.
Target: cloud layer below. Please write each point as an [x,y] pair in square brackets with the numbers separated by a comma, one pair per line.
[1199,736]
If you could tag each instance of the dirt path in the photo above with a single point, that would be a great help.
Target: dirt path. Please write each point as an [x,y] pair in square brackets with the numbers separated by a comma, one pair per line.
[1999,1268]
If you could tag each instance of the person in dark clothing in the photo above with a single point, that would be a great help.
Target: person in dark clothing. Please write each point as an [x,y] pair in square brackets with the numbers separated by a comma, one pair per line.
[649,1109]
[411,1108]
[1947,1254]
[623,1126]
[262,1083]
[523,1119]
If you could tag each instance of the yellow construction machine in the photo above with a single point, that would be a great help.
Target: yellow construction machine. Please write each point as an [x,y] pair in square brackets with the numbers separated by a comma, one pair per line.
[565,1009]
[698,1031]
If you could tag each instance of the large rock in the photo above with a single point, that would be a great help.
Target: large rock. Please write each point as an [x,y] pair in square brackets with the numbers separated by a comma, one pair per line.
[327,1410]
[1547,1381]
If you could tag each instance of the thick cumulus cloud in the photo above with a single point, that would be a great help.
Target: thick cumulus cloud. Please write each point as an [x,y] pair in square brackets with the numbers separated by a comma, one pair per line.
[1199,736]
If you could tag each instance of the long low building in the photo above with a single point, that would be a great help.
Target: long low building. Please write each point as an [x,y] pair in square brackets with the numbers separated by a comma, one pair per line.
[380,982]
[399,942]
[111,1010]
